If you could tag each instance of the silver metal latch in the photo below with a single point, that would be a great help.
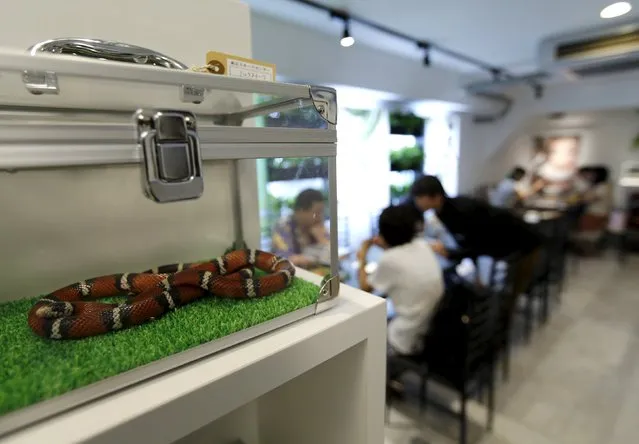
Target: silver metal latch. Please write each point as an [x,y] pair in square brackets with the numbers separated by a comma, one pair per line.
[172,164]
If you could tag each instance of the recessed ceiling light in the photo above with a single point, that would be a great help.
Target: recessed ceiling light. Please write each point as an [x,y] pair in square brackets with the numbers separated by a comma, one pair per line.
[615,10]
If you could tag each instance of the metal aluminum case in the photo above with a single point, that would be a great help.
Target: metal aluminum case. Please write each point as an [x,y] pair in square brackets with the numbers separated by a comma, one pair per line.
[67,115]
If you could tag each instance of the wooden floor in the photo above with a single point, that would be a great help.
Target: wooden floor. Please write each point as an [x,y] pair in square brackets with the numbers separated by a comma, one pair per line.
[576,383]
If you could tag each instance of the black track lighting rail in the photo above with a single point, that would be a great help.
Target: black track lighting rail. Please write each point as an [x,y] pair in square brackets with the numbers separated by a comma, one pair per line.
[497,72]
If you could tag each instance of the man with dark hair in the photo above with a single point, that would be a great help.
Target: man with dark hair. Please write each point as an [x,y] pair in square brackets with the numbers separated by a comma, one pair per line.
[408,273]
[304,229]
[517,173]
[481,230]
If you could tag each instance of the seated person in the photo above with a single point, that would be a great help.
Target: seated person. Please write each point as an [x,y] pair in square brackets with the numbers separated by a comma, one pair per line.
[408,273]
[511,190]
[302,237]
[595,211]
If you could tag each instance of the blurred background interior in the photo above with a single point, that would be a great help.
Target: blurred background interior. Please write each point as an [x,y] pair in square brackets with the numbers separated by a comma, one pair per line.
[469,91]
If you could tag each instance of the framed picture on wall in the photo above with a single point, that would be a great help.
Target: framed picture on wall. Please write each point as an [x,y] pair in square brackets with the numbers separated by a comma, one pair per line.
[555,160]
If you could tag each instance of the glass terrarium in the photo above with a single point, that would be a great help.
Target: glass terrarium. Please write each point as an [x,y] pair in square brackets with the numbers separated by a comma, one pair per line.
[109,169]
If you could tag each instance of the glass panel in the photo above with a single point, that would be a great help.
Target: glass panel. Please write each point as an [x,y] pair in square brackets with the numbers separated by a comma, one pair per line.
[300,117]
[295,217]
[98,223]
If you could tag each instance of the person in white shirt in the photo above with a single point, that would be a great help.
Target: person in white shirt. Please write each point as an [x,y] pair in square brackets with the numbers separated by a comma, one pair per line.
[408,273]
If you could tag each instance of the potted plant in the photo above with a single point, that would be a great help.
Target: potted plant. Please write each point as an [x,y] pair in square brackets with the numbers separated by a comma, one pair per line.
[398,192]
[410,158]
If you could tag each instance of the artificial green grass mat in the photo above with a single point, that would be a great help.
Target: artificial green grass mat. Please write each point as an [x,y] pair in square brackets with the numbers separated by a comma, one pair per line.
[33,369]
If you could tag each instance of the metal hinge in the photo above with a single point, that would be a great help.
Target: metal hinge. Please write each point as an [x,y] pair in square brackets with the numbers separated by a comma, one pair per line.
[172,163]
[46,82]
[41,82]
[329,288]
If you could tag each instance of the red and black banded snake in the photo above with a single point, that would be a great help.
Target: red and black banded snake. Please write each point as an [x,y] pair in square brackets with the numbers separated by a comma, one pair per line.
[72,312]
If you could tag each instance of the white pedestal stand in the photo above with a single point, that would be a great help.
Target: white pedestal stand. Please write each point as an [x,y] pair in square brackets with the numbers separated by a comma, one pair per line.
[318,381]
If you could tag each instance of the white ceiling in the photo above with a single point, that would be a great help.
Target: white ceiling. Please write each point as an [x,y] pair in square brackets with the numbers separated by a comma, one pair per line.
[501,32]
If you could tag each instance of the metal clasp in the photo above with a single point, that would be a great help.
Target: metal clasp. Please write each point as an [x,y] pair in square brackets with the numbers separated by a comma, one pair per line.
[172,163]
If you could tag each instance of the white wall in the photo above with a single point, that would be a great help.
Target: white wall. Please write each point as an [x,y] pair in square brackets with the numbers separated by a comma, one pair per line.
[480,142]
[362,159]
[441,145]
[606,138]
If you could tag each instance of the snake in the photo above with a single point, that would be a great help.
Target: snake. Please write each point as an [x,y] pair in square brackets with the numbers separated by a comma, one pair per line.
[73,312]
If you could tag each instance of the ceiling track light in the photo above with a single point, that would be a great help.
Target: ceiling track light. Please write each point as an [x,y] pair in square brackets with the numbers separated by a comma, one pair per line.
[497,74]
[347,39]
[538,91]
[426,47]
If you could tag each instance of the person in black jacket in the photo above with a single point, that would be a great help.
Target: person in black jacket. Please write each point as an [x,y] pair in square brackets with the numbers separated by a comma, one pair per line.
[481,230]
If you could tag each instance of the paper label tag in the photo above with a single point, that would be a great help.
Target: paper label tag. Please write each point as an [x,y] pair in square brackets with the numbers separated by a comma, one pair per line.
[247,70]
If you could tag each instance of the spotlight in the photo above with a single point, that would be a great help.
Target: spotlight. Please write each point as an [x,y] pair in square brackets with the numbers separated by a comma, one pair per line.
[426,59]
[497,74]
[426,48]
[347,40]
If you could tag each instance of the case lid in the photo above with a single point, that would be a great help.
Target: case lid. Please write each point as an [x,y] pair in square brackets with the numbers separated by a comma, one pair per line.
[62,110]
[45,81]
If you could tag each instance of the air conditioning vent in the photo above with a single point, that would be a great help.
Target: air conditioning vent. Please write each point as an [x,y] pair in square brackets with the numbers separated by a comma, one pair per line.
[593,52]
[606,46]
[612,67]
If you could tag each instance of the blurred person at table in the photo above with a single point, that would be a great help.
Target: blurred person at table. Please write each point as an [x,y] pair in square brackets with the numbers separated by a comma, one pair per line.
[301,235]
[481,229]
[512,189]
[598,202]
[408,273]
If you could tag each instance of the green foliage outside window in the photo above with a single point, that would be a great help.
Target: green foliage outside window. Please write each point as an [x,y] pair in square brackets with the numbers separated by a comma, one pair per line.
[409,158]
[399,191]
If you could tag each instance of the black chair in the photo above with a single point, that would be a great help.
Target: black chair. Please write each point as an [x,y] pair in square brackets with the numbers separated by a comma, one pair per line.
[459,348]
[538,290]
[501,284]
[552,271]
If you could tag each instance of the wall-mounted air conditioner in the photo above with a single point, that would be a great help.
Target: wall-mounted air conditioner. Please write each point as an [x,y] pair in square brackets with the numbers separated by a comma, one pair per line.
[595,51]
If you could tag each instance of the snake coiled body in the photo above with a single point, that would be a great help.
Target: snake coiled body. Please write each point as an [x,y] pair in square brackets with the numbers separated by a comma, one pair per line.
[72,312]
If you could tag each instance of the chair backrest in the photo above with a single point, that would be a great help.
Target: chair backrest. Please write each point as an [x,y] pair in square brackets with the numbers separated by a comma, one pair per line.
[501,284]
[462,333]
[502,273]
